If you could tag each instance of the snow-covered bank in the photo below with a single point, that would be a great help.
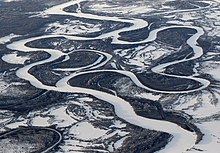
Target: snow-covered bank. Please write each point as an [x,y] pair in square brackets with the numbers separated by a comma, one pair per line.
[182,139]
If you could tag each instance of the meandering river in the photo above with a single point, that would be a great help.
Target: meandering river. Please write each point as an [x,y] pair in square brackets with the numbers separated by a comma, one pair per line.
[182,139]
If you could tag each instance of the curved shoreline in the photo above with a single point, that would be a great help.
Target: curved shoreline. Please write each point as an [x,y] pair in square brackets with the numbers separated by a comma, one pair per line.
[122,108]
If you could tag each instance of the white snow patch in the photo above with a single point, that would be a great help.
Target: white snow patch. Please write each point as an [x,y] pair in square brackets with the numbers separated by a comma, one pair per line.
[17,124]
[149,96]
[8,38]
[118,124]
[212,68]
[119,143]
[130,9]
[85,99]
[73,27]
[215,73]
[14,59]
[211,139]
[197,106]
[60,117]
[86,131]
[40,121]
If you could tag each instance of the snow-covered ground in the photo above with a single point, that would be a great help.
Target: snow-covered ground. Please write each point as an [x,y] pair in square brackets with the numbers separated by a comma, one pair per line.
[72,27]
[201,105]
[118,9]
[8,38]
[81,131]
[14,58]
